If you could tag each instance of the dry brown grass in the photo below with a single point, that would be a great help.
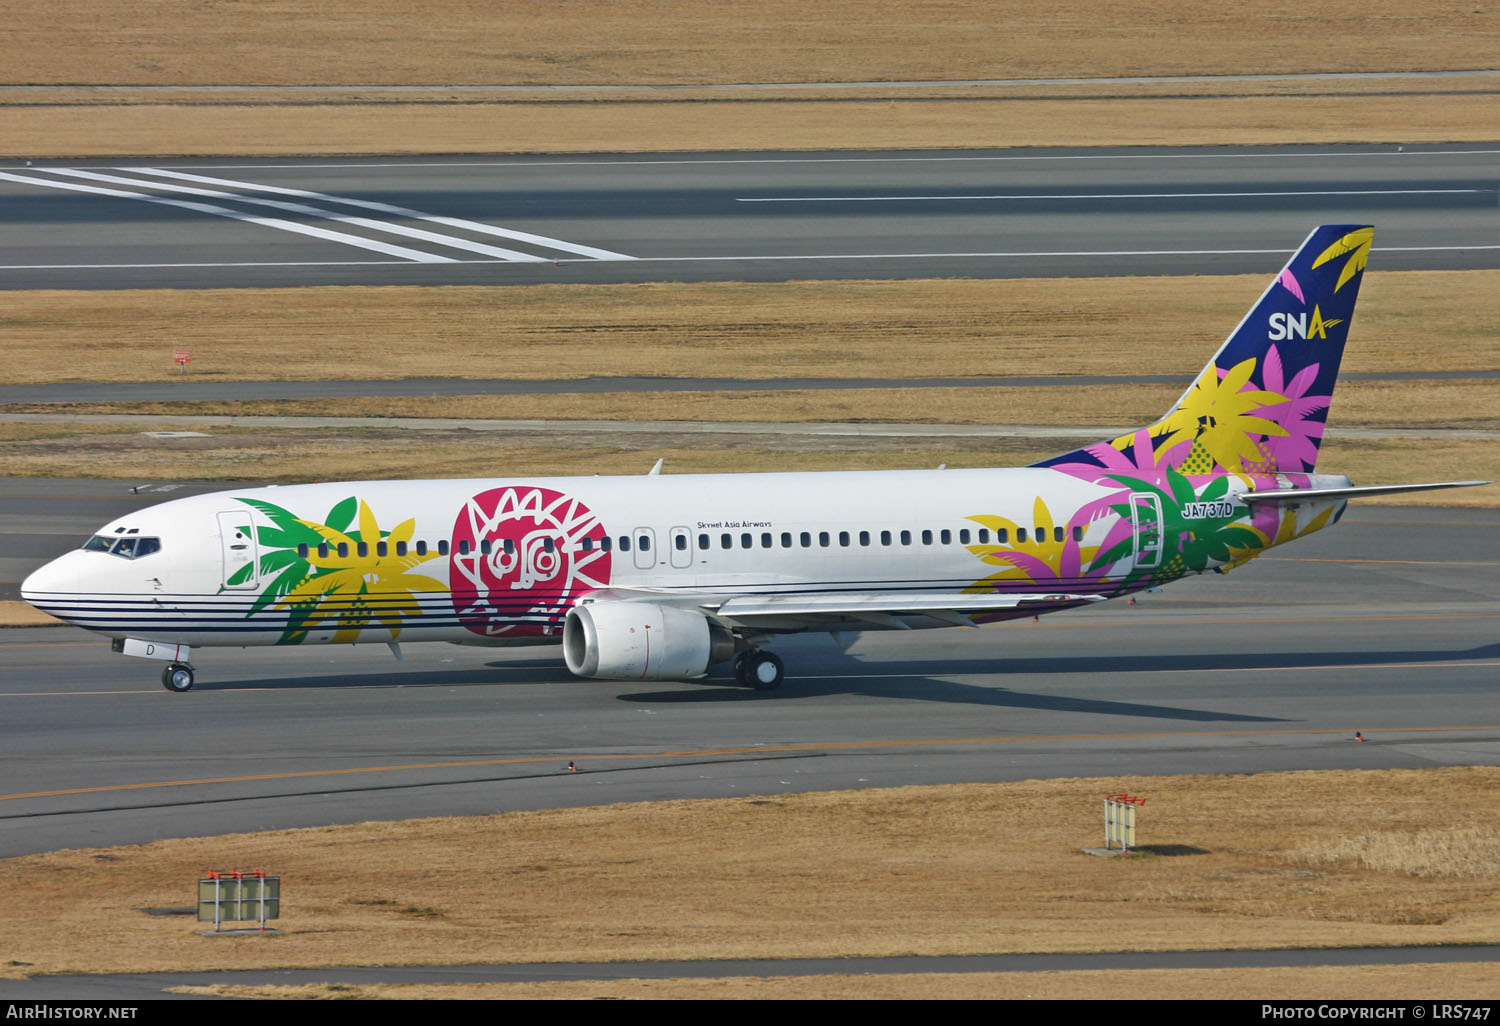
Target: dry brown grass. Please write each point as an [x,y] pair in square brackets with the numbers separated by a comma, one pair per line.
[161,42]
[14,613]
[1440,981]
[954,869]
[1448,404]
[166,130]
[1408,320]
[677,43]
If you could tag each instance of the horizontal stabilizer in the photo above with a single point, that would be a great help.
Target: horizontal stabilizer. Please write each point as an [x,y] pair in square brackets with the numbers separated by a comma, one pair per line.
[1286,495]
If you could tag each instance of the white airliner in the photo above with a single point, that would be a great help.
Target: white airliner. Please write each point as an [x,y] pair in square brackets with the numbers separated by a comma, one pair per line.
[660,577]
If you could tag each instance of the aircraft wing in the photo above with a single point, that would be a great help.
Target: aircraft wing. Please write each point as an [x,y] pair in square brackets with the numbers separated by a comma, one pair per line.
[875,608]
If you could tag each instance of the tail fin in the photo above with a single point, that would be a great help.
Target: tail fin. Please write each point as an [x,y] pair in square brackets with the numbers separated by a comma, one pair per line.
[1259,406]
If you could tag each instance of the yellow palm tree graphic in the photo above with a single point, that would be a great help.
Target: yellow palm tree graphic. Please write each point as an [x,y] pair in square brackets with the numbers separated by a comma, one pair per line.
[1357,244]
[1040,557]
[1215,416]
[351,589]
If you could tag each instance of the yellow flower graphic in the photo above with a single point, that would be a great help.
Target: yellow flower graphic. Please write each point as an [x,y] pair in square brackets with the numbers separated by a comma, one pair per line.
[1041,557]
[350,589]
[1215,417]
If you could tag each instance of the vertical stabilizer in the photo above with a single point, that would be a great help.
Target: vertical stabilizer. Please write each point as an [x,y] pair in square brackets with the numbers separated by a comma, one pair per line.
[1260,405]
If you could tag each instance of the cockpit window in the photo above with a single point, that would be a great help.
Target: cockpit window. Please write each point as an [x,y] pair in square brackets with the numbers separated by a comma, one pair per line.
[129,547]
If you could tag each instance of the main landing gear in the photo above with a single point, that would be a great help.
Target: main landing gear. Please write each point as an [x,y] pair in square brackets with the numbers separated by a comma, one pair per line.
[759,670]
[177,677]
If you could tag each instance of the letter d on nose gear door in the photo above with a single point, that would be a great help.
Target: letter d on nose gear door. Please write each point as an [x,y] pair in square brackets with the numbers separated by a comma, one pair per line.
[237,535]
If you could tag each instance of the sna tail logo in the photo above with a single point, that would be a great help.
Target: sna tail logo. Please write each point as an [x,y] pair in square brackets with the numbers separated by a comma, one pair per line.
[1287,327]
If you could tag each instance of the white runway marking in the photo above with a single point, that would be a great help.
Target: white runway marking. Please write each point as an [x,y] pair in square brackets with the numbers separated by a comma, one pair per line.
[388,208]
[1023,197]
[218,211]
[790,257]
[302,208]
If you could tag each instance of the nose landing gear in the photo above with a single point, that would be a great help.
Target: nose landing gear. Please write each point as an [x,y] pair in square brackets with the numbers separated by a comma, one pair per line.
[178,677]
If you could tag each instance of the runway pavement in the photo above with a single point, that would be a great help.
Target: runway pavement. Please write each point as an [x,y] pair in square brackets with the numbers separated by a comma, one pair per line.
[740,216]
[1386,624]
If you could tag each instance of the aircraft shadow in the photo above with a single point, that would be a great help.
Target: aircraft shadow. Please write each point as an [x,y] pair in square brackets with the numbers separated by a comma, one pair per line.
[847,675]
[930,689]
[830,674]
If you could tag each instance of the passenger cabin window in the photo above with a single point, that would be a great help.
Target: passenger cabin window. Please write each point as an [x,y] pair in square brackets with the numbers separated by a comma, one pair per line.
[605,543]
[946,537]
[823,539]
[963,536]
[905,537]
[702,542]
[624,543]
[679,542]
[844,539]
[926,537]
[885,537]
[443,547]
[421,548]
[864,537]
[765,540]
[726,541]
[644,543]
[786,539]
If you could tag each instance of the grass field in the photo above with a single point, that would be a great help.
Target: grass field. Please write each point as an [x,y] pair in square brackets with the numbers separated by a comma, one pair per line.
[679,42]
[1408,320]
[690,52]
[1306,859]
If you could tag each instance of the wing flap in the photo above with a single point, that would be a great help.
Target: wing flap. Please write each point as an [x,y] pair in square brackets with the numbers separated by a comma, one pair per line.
[880,609]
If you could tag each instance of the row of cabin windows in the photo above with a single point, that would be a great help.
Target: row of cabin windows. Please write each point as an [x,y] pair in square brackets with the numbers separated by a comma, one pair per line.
[400,548]
[846,539]
[803,539]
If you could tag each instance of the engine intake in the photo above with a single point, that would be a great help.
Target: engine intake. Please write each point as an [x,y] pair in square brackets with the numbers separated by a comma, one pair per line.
[642,641]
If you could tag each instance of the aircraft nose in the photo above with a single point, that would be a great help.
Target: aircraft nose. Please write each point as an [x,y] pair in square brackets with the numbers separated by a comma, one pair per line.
[56,580]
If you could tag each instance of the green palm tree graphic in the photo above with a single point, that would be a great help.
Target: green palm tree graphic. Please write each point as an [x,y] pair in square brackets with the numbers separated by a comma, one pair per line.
[1215,534]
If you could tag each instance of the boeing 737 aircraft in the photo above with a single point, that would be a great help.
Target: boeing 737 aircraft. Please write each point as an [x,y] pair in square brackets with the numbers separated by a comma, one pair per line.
[662,577]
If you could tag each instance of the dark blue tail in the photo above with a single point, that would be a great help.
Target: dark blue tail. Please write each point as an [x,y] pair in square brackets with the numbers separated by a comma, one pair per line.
[1260,405]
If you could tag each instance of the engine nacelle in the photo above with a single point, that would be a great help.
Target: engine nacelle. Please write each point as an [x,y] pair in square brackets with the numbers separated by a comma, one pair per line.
[639,641]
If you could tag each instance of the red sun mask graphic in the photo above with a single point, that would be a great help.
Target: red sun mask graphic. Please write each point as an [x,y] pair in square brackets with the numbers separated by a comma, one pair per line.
[518,560]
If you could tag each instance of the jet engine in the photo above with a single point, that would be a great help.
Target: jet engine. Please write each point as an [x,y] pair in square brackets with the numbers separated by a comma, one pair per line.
[622,640]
